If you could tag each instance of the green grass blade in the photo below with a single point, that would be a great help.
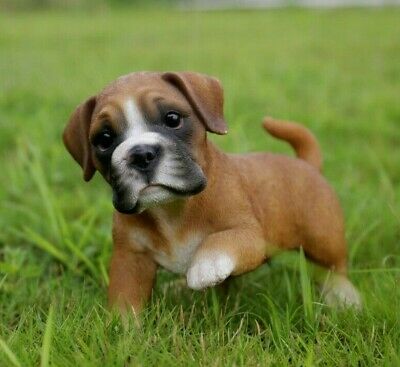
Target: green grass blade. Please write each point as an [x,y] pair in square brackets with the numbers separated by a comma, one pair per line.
[46,194]
[305,287]
[8,352]
[81,256]
[45,245]
[45,354]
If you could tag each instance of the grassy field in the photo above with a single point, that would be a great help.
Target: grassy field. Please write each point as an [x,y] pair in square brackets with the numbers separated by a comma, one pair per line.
[338,72]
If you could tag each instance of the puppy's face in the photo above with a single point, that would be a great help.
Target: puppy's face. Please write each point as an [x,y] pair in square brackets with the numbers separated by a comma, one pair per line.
[145,133]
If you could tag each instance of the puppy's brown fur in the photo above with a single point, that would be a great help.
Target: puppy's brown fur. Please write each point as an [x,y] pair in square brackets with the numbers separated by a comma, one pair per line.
[253,206]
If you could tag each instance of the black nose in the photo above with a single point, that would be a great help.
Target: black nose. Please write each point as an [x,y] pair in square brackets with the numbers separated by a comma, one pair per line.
[143,157]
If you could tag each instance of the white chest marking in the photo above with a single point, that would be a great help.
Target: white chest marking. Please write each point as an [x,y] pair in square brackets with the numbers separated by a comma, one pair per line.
[181,252]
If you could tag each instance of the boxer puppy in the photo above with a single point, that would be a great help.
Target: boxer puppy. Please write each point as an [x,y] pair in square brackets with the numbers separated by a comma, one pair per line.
[183,204]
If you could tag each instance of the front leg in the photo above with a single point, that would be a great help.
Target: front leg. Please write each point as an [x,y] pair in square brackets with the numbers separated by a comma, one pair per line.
[230,252]
[132,277]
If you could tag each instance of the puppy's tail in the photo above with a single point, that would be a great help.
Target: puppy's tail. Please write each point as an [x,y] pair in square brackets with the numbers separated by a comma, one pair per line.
[300,138]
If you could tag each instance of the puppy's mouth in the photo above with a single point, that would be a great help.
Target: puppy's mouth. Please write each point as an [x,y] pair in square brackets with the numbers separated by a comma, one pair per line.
[153,195]
[176,191]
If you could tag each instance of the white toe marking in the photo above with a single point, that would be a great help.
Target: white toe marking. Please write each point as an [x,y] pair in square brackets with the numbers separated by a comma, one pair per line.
[339,292]
[209,271]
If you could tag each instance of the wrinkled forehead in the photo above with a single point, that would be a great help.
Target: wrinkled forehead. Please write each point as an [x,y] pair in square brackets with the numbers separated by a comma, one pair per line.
[138,97]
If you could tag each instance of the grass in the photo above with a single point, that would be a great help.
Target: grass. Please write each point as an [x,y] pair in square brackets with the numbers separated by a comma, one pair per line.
[337,71]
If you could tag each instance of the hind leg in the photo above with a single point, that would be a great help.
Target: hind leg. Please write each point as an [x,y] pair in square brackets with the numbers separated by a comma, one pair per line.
[339,292]
[331,274]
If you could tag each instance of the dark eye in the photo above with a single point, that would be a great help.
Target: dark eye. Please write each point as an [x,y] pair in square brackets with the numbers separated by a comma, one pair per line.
[103,140]
[173,120]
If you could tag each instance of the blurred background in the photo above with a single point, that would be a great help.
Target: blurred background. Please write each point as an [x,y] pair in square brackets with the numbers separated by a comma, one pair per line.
[333,65]
[202,4]
[199,4]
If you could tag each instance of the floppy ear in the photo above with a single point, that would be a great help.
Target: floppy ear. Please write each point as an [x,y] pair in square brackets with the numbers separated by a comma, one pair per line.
[76,137]
[205,95]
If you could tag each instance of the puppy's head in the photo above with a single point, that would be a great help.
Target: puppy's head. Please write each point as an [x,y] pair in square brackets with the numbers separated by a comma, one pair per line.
[145,133]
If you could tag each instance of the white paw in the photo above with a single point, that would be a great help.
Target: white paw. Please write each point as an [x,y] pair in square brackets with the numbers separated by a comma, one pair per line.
[339,292]
[207,272]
